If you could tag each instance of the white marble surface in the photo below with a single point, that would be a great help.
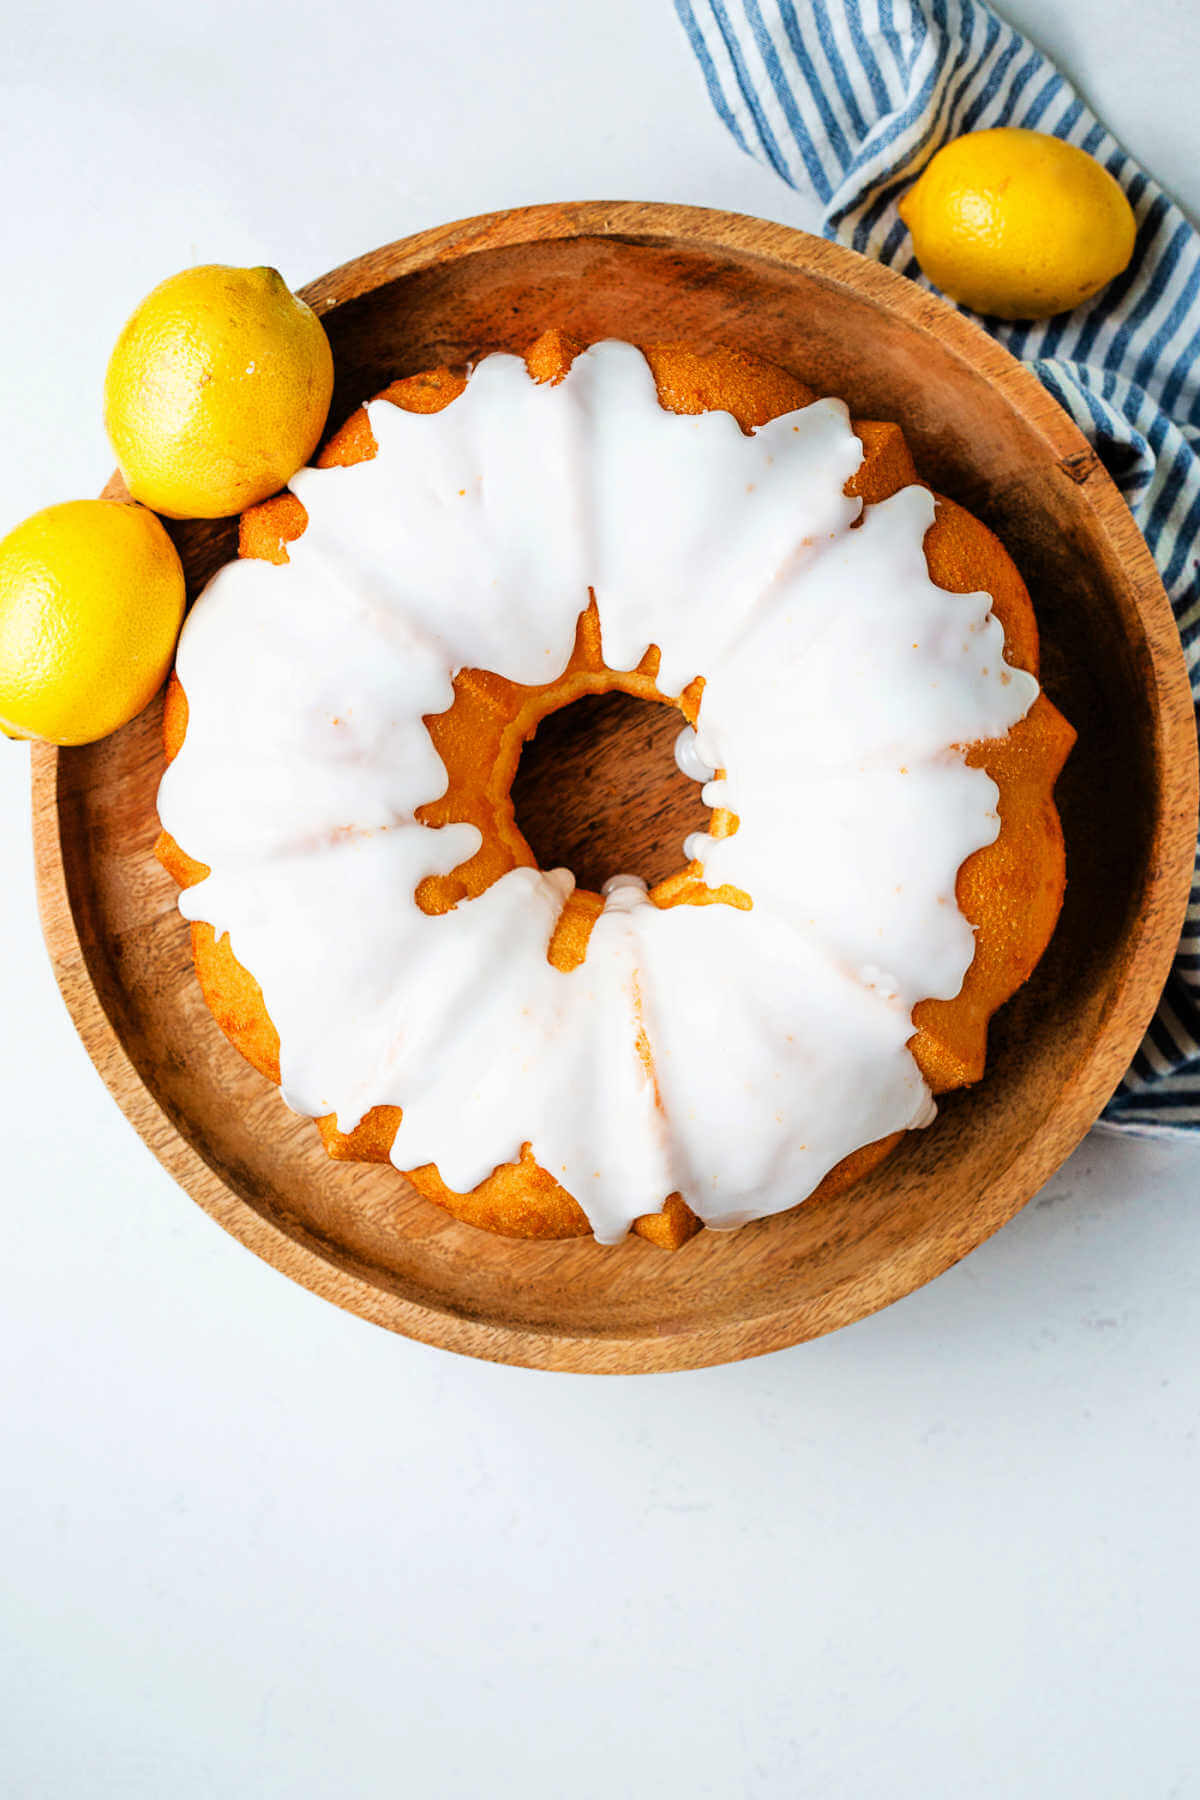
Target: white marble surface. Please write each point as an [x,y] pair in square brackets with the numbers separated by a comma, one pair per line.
[250,1546]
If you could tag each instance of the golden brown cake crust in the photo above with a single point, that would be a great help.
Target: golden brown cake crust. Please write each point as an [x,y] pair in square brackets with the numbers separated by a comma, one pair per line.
[1011,890]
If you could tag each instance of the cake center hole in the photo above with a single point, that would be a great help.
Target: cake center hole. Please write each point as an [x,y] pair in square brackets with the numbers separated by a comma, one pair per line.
[597,791]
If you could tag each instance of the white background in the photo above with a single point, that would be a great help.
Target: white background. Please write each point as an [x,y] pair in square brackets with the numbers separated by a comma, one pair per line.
[250,1546]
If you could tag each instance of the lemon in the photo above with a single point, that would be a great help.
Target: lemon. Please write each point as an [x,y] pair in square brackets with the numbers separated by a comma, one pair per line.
[217,391]
[1017,223]
[91,601]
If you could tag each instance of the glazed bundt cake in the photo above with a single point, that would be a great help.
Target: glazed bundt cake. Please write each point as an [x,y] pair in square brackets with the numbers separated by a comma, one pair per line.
[855,662]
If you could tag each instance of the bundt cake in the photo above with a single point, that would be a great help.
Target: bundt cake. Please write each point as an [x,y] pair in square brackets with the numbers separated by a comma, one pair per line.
[855,660]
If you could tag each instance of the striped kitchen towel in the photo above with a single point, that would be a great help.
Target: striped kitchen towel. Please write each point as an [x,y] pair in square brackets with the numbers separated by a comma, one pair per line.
[850,98]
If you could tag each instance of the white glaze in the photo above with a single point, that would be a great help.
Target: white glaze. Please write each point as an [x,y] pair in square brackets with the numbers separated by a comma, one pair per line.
[687,757]
[838,681]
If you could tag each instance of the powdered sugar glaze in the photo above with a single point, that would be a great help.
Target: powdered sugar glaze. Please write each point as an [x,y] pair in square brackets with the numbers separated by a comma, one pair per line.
[840,688]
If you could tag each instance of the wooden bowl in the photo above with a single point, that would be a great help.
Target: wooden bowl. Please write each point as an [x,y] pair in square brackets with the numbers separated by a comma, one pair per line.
[983,431]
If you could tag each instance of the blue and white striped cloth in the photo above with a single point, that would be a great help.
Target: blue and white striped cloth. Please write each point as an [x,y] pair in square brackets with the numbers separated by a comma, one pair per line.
[850,98]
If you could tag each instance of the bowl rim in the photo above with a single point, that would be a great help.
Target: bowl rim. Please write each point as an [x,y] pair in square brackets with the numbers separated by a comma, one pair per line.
[1148,952]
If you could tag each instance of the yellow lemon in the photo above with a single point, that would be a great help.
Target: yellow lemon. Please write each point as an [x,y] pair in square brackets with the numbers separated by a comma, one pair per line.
[91,601]
[1017,223]
[217,391]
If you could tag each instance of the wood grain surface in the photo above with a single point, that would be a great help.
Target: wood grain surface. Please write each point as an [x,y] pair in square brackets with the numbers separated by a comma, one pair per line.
[984,432]
[598,791]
